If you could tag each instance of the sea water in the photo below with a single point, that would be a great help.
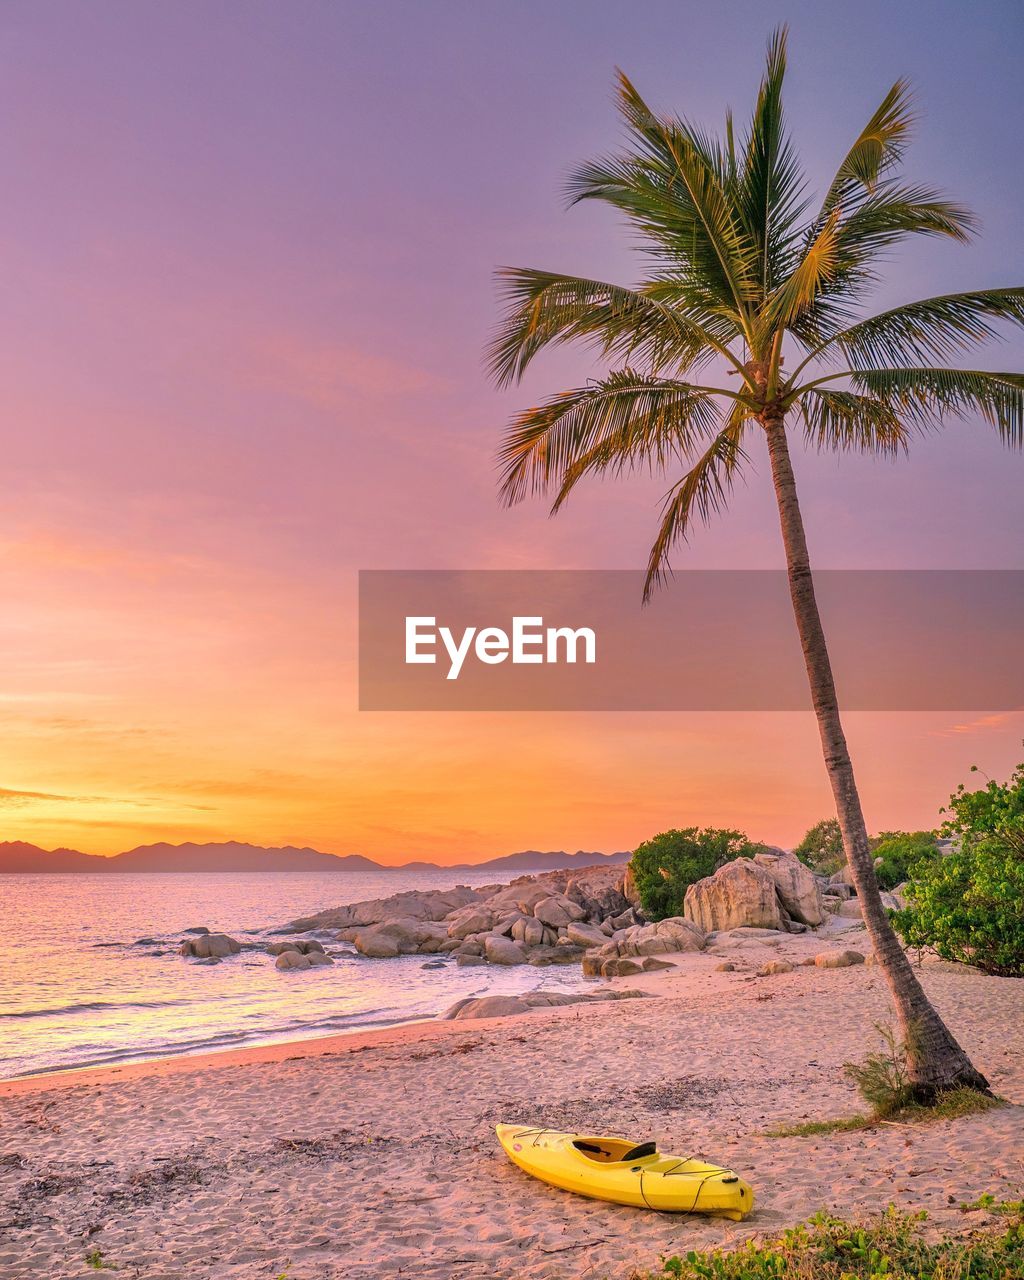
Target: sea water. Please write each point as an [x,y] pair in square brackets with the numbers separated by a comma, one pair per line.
[90,972]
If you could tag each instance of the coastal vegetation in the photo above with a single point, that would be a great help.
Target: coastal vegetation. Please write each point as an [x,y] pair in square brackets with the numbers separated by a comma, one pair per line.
[969,904]
[895,1246]
[822,847]
[747,274]
[665,866]
[895,853]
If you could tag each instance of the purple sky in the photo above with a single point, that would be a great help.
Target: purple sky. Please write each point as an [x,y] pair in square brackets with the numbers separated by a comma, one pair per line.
[248,255]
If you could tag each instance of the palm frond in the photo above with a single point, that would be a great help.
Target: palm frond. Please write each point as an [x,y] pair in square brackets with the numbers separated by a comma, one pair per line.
[624,420]
[928,396]
[546,309]
[807,281]
[701,494]
[878,148]
[843,421]
[931,328]
[673,188]
[892,213]
[769,190]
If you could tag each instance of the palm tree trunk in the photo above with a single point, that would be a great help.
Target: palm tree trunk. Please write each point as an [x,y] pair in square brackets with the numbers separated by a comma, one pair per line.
[936,1061]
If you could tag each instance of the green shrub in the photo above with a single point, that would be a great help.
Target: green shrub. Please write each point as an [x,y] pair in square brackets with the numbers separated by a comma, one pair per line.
[822,847]
[969,904]
[892,1247]
[900,852]
[665,866]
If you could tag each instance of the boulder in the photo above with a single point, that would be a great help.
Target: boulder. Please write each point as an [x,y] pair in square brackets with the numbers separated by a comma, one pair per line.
[319,959]
[505,1006]
[304,946]
[585,935]
[739,893]
[598,896]
[726,966]
[501,950]
[651,964]
[838,959]
[375,944]
[850,910]
[530,932]
[403,937]
[557,911]
[773,967]
[521,895]
[414,904]
[217,945]
[467,920]
[664,936]
[465,959]
[795,884]
[292,960]
[843,876]
[628,888]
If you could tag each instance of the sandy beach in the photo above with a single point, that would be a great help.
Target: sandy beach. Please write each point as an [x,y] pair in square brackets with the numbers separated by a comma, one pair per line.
[369,1154]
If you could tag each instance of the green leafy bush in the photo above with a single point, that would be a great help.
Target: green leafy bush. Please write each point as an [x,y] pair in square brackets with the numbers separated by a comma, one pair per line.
[665,866]
[969,905]
[900,852]
[821,849]
[892,1247]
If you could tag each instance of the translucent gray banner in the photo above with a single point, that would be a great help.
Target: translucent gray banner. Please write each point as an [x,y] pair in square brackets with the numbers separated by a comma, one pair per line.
[716,640]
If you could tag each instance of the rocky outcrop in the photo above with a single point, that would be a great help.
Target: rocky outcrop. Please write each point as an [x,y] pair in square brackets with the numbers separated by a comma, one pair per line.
[416,904]
[634,950]
[596,965]
[405,936]
[304,946]
[796,886]
[663,936]
[507,1006]
[216,946]
[302,960]
[739,893]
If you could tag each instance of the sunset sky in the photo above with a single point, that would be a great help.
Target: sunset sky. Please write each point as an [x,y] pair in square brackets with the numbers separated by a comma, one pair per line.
[247,255]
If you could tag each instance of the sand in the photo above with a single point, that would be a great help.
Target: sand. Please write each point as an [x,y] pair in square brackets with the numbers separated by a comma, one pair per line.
[361,1156]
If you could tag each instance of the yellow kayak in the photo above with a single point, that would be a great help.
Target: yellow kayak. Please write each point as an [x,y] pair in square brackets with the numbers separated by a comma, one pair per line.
[618,1170]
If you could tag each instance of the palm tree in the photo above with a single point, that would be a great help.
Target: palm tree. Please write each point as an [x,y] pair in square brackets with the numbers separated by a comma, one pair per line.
[743,270]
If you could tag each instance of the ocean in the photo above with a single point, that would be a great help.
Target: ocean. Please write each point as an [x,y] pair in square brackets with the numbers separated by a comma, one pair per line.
[90,975]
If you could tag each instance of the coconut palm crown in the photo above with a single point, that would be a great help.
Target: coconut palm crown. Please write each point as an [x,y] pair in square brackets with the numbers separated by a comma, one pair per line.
[749,320]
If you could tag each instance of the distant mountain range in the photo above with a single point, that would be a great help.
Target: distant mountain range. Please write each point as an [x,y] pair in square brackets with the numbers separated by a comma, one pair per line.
[18,857]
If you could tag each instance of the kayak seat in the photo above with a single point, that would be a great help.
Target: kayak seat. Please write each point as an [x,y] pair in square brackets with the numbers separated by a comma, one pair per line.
[638,1153]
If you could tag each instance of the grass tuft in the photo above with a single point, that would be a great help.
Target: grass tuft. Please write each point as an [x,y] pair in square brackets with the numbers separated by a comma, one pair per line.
[953,1105]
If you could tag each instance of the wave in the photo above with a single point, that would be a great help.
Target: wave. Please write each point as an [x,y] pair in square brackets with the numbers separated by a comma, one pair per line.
[284,1033]
[89,1006]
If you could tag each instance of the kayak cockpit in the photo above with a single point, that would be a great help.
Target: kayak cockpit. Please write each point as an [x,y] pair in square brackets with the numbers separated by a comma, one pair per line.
[613,1150]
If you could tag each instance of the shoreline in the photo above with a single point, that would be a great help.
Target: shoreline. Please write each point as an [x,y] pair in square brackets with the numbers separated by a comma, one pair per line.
[342,1157]
[302,1047]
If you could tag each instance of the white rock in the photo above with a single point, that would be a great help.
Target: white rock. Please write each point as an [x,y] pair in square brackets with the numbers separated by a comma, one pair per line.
[795,884]
[739,893]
